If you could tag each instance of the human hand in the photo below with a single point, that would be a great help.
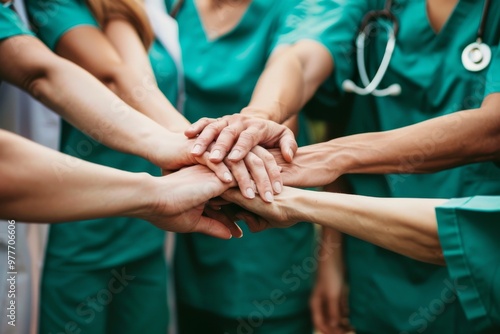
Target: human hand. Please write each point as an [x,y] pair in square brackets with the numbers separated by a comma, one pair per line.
[328,300]
[176,203]
[312,166]
[176,155]
[259,215]
[236,135]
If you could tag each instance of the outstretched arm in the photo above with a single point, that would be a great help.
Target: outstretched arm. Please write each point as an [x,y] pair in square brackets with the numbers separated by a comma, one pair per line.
[460,138]
[87,104]
[32,188]
[117,57]
[405,226]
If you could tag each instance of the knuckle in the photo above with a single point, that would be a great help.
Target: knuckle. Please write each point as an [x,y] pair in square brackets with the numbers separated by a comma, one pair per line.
[230,131]
[275,173]
[256,161]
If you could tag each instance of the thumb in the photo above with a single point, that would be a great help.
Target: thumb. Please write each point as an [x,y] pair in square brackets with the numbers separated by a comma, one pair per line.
[213,228]
[288,145]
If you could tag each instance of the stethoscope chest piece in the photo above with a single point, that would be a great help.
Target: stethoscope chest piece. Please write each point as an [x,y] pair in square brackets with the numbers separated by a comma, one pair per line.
[476,56]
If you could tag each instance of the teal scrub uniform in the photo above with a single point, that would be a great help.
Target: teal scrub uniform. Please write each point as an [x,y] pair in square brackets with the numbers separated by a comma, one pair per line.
[387,290]
[102,275]
[469,232]
[10,24]
[260,283]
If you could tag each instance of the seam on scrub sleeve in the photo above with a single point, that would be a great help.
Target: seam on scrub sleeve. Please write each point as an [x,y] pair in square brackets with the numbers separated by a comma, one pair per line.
[458,266]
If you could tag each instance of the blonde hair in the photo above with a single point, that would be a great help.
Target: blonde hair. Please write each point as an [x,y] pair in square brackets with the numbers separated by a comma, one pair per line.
[132,11]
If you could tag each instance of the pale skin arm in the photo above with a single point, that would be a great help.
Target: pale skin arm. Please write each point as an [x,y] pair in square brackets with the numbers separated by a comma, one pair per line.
[117,58]
[33,190]
[292,75]
[402,225]
[87,104]
[457,139]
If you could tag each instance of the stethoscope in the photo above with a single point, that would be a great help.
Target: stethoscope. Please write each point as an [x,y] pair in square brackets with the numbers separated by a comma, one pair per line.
[475,57]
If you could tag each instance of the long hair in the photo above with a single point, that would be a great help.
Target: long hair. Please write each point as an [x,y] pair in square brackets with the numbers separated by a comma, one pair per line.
[132,11]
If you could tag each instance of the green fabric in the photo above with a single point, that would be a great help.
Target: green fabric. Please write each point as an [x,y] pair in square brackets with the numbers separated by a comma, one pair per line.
[255,323]
[10,24]
[389,290]
[469,232]
[92,245]
[165,71]
[229,277]
[87,243]
[103,301]
[51,19]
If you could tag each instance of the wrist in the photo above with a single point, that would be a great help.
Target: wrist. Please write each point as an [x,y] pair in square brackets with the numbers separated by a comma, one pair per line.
[135,194]
[143,200]
[341,158]
[271,112]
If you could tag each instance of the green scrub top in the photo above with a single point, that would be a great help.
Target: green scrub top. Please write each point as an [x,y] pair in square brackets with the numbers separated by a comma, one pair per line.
[10,24]
[391,293]
[233,278]
[110,242]
[469,232]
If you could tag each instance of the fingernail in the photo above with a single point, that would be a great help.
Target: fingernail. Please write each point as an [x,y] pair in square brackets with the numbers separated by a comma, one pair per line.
[250,193]
[196,149]
[227,177]
[277,187]
[269,197]
[234,155]
[215,154]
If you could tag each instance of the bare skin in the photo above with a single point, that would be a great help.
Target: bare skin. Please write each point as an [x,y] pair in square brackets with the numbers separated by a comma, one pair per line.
[32,190]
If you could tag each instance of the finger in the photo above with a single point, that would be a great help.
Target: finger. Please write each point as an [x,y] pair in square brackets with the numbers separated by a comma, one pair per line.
[257,169]
[227,137]
[333,312]
[242,176]
[230,224]
[272,168]
[254,224]
[318,314]
[198,126]
[220,169]
[288,145]
[207,136]
[218,201]
[213,228]
[247,140]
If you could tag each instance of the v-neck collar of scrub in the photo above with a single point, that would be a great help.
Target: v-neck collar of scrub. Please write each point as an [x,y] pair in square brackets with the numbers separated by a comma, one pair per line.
[238,25]
[461,10]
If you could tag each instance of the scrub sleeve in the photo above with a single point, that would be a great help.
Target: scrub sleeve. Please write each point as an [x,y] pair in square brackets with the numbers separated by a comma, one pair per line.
[10,24]
[239,279]
[90,254]
[469,232]
[395,294]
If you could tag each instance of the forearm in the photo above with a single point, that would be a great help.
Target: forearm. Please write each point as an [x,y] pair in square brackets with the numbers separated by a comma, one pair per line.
[330,251]
[141,80]
[89,106]
[405,226]
[291,77]
[461,138]
[142,93]
[80,98]
[33,187]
